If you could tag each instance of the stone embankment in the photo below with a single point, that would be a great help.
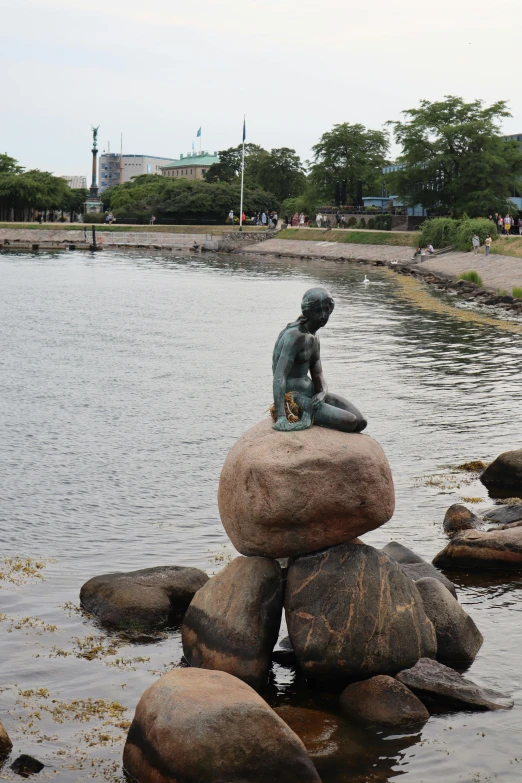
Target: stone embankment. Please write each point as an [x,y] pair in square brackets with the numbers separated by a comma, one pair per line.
[47,239]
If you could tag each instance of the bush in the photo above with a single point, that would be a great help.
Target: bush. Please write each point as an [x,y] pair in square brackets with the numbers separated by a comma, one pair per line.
[517,292]
[361,223]
[383,222]
[471,277]
[94,217]
[441,232]
[370,223]
[352,221]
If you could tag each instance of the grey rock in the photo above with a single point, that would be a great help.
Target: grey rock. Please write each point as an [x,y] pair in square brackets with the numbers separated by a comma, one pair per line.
[233,622]
[345,611]
[433,682]
[505,472]
[458,638]
[149,598]
[382,701]
[459,518]
[414,566]
[505,515]
[479,549]
[418,571]
[401,554]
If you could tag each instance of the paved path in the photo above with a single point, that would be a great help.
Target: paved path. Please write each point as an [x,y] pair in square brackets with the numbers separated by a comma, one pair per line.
[497,272]
[334,250]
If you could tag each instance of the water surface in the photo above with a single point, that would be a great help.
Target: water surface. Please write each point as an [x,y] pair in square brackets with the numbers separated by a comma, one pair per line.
[124,381]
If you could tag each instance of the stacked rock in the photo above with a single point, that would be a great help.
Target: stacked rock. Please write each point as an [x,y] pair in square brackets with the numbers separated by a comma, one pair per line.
[352,611]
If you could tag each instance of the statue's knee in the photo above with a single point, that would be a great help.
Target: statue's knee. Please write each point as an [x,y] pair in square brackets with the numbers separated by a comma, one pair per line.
[361,425]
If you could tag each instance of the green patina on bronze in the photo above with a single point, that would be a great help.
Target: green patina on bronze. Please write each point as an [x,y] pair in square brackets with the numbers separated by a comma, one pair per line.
[296,365]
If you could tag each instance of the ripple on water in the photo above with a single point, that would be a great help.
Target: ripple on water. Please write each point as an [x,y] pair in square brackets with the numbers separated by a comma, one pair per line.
[125,380]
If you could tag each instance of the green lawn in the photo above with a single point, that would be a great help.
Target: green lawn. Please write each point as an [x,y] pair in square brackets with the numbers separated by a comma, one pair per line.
[216,229]
[507,246]
[353,237]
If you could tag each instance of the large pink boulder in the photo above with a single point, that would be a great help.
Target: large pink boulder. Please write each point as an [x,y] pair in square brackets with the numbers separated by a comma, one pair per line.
[290,493]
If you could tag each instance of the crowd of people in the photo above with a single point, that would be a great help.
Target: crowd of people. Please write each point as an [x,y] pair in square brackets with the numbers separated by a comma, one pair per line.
[266,218]
[506,225]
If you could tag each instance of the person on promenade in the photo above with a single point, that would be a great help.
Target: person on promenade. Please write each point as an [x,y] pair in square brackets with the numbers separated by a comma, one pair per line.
[152,219]
[507,223]
[318,219]
[500,224]
[418,252]
[430,250]
[231,216]
[476,243]
[263,218]
[520,226]
[301,220]
[295,219]
[488,242]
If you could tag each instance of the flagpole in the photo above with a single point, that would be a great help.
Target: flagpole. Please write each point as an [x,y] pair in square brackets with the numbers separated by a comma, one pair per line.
[242,177]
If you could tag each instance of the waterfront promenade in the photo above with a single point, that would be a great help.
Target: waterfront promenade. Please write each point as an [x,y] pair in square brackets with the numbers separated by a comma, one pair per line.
[498,272]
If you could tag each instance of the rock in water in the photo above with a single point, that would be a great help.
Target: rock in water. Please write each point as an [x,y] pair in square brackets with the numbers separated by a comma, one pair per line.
[458,638]
[505,515]
[382,701]
[415,567]
[434,682]
[233,622]
[288,493]
[401,554]
[26,765]
[459,518]
[480,549]
[149,598]
[352,613]
[197,725]
[5,742]
[504,473]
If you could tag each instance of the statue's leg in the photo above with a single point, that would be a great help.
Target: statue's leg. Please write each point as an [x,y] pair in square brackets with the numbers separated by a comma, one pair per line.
[342,404]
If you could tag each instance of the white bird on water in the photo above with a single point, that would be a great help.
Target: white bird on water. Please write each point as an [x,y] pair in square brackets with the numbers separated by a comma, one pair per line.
[366,281]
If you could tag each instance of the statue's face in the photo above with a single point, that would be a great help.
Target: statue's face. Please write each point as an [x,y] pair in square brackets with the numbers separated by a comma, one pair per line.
[319,314]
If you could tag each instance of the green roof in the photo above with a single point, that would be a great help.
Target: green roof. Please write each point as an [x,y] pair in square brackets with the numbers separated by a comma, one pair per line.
[192,160]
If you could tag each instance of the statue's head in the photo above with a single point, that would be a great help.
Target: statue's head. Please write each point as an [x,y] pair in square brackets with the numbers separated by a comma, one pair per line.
[317,306]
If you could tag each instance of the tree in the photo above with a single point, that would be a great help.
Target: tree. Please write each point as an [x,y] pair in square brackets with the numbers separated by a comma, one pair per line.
[180,200]
[453,158]
[229,167]
[279,171]
[352,153]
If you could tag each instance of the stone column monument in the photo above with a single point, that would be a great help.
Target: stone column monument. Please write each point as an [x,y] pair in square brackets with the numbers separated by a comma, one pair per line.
[93,203]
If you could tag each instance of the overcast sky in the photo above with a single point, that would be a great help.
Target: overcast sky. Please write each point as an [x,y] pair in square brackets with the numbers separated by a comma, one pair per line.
[156,70]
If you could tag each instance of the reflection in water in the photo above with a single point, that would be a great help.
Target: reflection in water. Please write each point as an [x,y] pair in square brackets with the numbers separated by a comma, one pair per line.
[124,382]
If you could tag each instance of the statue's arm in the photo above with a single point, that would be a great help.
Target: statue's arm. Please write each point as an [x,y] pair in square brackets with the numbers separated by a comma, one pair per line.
[282,371]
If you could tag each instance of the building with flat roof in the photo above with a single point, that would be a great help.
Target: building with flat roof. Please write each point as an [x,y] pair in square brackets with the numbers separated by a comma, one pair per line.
[75,180]
[111,173]
[192,166]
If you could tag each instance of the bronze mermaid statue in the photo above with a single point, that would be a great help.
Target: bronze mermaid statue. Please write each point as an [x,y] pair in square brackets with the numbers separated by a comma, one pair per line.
[296,365]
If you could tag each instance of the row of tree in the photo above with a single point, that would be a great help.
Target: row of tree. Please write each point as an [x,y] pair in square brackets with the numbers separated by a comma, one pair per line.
[453,161]
[22,193]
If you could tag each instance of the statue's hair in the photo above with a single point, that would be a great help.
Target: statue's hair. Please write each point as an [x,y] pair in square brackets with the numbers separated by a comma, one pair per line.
[310,299]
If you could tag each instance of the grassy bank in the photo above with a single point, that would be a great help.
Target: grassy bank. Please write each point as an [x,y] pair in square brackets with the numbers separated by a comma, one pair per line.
[216,230]
[507,246]
[353,237]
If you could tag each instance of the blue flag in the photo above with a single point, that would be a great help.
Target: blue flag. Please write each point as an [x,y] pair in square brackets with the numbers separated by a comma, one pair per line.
[244,129]
[198,133]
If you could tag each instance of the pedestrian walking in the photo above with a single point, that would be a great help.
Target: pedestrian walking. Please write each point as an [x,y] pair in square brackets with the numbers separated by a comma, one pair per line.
[152,219]
[476,243]
[301,220]
[507,224]
[318,219]
[488,242]
[500,224]
[231,216]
